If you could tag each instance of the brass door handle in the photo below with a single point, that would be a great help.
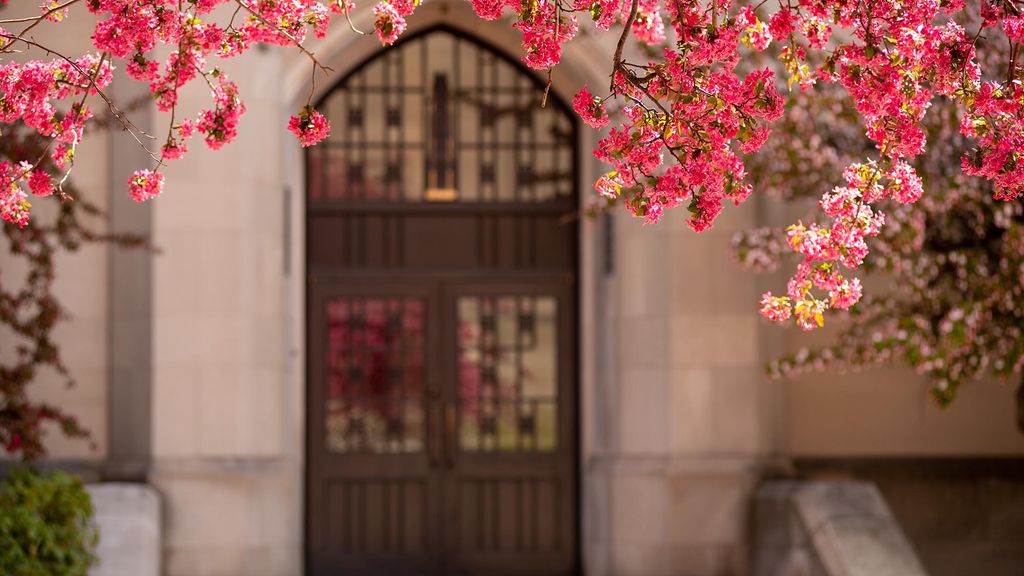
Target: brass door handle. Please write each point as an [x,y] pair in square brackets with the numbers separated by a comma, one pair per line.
[449,435]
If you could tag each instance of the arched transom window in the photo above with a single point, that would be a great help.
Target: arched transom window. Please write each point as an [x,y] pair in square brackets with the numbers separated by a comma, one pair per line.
[442,118]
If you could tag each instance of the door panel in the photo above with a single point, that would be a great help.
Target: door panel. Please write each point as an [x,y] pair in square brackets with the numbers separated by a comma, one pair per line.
[507,373]
[510,487]
[375,489]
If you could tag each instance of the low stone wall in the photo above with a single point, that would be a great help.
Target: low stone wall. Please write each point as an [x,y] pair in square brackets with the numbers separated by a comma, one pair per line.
[962,515]
[828,529]
[128,517]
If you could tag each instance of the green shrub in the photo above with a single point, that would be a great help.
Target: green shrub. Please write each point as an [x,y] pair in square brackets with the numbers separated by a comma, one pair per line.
[46,525]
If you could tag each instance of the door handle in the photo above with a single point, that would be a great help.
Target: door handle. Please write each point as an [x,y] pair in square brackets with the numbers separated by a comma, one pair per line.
[449,435]
[434,441]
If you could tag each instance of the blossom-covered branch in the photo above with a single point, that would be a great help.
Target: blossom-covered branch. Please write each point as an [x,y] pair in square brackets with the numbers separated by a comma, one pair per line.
[685,116]
[946,274]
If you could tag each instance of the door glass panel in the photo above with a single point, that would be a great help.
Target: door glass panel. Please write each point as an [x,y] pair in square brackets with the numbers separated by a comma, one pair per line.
[375,374]
[508,373]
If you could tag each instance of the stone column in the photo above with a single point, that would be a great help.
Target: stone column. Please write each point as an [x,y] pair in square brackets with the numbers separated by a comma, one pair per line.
[223,452]
[129,297]
[694,420]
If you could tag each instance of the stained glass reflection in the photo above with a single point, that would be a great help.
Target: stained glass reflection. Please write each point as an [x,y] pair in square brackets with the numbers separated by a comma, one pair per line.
[375,374]
[508,376]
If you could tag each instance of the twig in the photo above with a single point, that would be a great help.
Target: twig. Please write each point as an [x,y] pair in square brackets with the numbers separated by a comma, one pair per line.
[547,88]
[126,124]
[558,21]
[285,33]
[36,20]
[617,58]
[348,17]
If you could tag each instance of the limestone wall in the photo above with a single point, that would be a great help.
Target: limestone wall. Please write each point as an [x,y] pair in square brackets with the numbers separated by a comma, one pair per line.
[81,277]
[828,412]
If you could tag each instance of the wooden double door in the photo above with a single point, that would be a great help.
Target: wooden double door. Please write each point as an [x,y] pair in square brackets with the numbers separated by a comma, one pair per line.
[441,426]
[441,250]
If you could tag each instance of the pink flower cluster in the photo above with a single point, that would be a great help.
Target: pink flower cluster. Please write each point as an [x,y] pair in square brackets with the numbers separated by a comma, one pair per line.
[14,202]
[29,93]
[389,21]
[220,124]
[590,109]
[687,117]
[604,12]
[545,27]
[145,184]
[309,126]
[953,263]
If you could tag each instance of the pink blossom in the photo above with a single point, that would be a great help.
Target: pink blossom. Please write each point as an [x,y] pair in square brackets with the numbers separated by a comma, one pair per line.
[648,26]
[40,183]
[590,108]
[846,294]
[14,204]
[774,308]
[759,35]
[404,7]
[604,12]
[809,314]
[220,124]
[543,34]
[174,149]
[309,126]
[1014,28]
[685,113]
[906,187]
[145,184]
[62,156]
[653,212]
[141,69]
[608,186]
[707,207]
[755,139]
[782,23]
[388,22]
[488,9]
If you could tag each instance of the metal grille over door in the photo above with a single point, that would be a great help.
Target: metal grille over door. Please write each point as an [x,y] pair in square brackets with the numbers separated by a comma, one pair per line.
[441,319]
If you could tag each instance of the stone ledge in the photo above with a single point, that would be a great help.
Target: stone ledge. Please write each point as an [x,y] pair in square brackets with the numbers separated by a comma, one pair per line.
[828,529]
[662,464]
[128,517]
